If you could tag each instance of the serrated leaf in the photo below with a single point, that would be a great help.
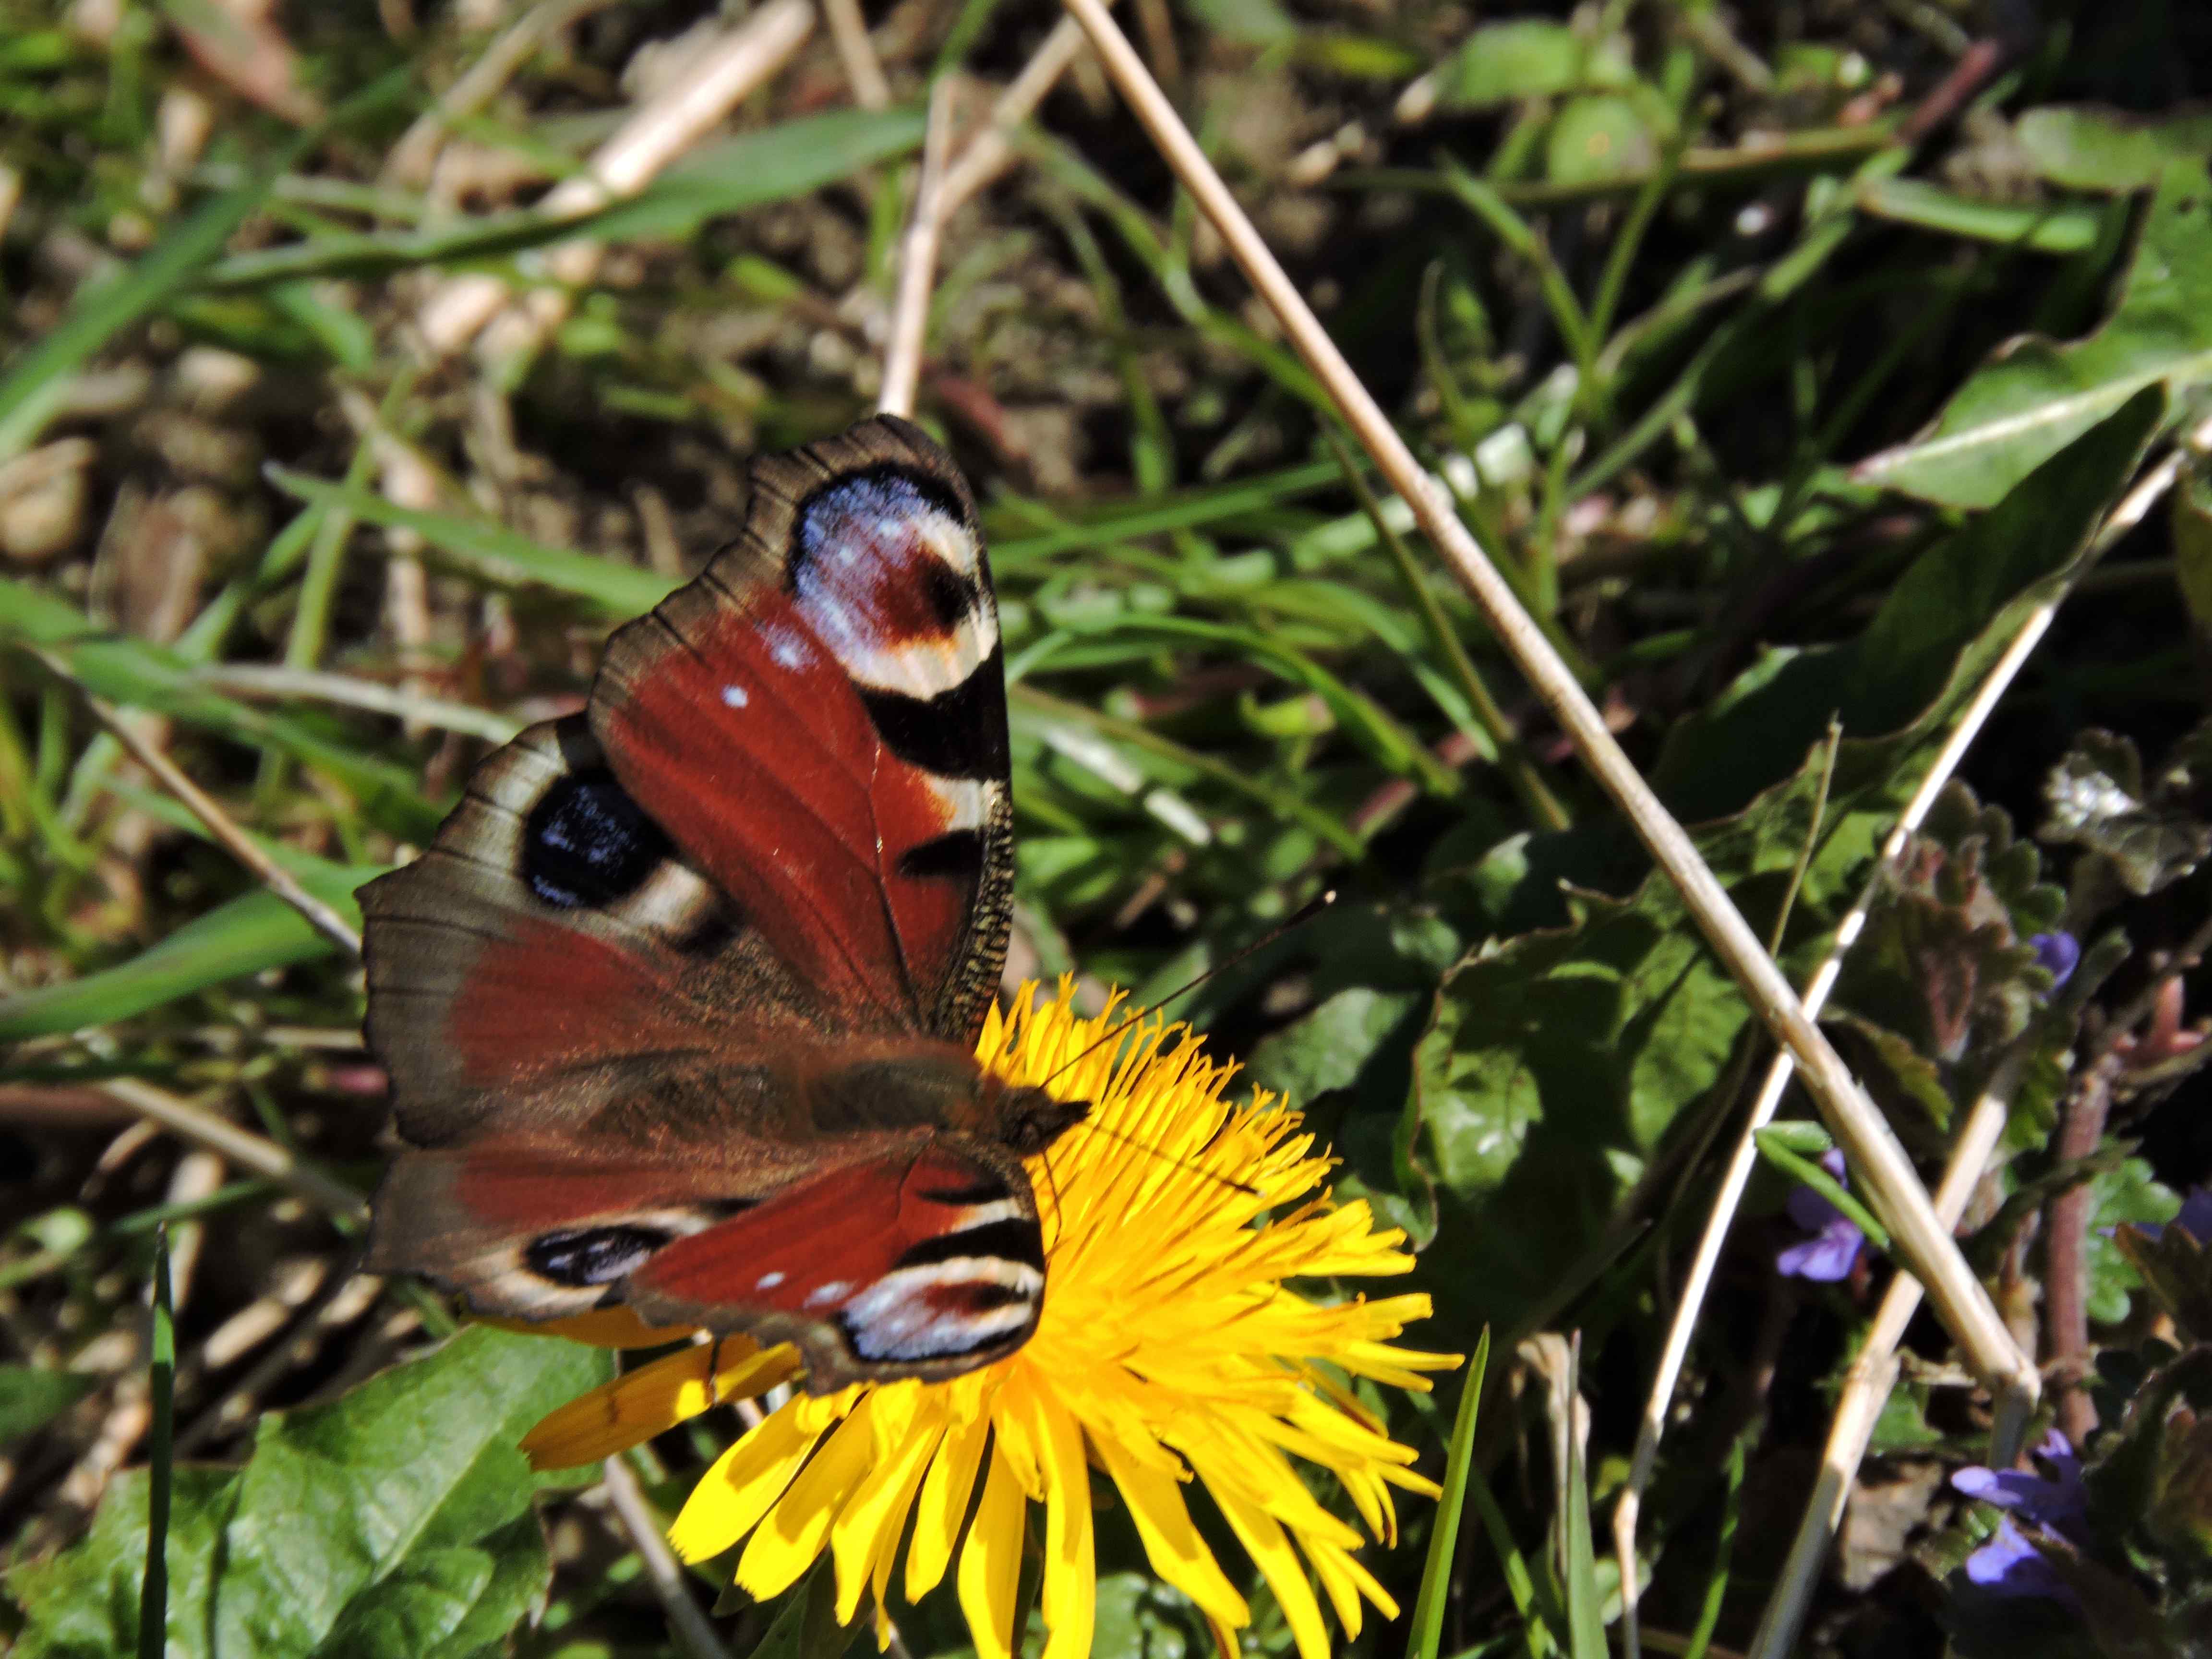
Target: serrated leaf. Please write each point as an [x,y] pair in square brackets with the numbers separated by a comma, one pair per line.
[2176,1269]
[2096,798]
[393,1523]
[2035,396]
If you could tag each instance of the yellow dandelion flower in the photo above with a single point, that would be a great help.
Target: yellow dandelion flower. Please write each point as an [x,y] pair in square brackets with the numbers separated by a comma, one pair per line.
[1169,1350]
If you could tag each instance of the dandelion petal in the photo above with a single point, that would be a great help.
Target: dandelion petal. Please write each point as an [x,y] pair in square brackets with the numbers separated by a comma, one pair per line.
[1172,1543]
[878,1508]
[1264,1539]
[944,1505]
[744,1483]
[990,1562]
[1071,1567]
[793,1533]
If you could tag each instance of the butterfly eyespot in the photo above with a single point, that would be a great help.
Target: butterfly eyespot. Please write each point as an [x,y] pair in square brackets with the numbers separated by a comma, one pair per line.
[586,843]
[592,1256]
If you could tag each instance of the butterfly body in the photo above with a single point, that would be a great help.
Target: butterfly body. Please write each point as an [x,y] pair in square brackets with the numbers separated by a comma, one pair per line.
[679,1007]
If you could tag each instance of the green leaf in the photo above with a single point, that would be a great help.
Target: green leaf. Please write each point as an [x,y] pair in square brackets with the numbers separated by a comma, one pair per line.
[2033,398]
[1555,1063]
[395,1520]
[31,1397]
[2084,149]
[2098,801]
[1942,624]
[2046,228]
[1524,58]
[83,1603]
[1598,136]
[2126,1193]
[2192,539]
[252,932]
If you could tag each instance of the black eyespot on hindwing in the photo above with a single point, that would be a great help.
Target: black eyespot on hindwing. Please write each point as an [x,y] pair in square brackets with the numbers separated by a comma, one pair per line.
[586,843]
[592,1256]
[960,733]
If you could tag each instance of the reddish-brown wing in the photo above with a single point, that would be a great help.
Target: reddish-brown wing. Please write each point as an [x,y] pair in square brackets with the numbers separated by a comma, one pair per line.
[616,994]
[820,721]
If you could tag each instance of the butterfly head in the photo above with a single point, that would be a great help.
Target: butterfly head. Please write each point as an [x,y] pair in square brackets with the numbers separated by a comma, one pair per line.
[1027,1121]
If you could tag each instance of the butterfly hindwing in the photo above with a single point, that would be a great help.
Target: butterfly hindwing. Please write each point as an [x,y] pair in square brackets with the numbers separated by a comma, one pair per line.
[921,1257]
[820,722]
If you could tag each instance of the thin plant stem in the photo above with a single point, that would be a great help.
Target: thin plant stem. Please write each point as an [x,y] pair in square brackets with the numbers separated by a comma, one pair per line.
[246,1149]
[690,1627]
[220,825]
[1884,1170]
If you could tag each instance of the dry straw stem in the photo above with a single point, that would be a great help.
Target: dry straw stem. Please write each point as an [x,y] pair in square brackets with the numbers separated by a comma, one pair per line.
[1745,1154]
[693,1632]
[1866,1384]
[220,825]
[1885,1173]
[943,187]
[848,33]
[246,1149]
[722,75]
[2129,511]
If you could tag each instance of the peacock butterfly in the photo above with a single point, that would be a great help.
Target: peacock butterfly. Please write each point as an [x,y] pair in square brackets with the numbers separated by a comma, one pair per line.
[680,1006]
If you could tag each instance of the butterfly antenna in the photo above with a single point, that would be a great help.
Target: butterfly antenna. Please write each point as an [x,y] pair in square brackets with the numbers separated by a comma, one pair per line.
[1093,1126]
[1299,918]
[1058,1216]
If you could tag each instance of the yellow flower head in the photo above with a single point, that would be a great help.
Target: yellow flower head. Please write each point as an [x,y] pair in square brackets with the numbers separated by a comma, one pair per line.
[1169,1348]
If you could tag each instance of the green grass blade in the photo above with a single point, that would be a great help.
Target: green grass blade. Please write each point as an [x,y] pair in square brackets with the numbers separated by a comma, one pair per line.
[492,550]
[1585,1607]
[1443,1538]
[153,1591]
[1709,1615]
[1776,1150]
[31,387]
[1520,1584]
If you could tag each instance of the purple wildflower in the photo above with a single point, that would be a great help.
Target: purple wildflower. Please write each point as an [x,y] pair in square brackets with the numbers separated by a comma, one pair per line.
[2194,1219]
[1834,1249]
[2009,1565]
[2058,955]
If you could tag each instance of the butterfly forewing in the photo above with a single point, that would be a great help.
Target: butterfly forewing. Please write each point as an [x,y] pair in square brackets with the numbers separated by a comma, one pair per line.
[687,983]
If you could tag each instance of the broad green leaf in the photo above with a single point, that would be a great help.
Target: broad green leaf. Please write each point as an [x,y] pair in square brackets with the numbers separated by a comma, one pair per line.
[393,1523]
[2126,1195]
[1521,58]
[1946,620]
[31,1397]
[250,933]
[2084,149]
[1556,1063]
[1600,135]
[2192,541]
[2033,398]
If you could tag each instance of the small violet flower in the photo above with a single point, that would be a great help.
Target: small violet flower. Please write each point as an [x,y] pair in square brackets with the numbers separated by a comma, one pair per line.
[1834,1249]
[2009,1564]
[2058,955]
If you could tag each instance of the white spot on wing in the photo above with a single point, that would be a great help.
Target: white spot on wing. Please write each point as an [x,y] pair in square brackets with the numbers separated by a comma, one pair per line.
[767,1281]
[735,696]
[835,1290]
